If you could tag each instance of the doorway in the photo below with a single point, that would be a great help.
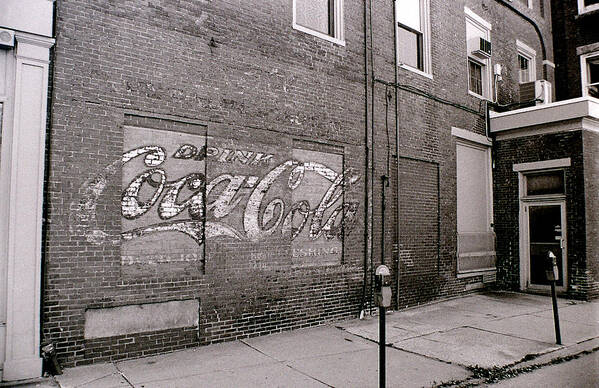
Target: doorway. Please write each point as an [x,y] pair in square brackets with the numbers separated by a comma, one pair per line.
[546,232]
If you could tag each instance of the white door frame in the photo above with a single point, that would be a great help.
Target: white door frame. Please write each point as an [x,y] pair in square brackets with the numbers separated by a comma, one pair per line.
[525,283]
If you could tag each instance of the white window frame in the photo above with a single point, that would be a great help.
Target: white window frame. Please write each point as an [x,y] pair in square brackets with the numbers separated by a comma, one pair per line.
[478,142]
[584,9]
[337,37]
[484,26]
[529,53]
[482,143]
[584,74]
[427,70]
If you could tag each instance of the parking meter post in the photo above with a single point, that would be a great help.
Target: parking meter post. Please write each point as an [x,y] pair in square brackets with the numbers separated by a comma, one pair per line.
[558,337]
[382,341]
[382,298]
[552,276]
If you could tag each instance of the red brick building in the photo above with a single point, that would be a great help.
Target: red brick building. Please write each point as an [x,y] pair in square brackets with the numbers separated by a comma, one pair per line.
[220,169]
[576,42]
[546,167]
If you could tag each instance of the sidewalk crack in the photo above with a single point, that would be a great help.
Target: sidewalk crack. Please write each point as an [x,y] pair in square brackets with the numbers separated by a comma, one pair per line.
[123,376]
[307,375]
[259,351]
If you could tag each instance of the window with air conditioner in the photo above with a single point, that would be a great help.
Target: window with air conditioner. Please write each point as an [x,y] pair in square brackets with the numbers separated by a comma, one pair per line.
[587,6]
[321,18]
[590,74]
[413,33]
[526,62]
[479,48]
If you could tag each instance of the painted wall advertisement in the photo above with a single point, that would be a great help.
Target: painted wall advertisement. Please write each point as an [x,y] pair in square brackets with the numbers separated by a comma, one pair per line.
[182,191]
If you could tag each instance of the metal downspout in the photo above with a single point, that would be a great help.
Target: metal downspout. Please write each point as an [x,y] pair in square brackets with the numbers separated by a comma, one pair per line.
[367,156]
[398,215]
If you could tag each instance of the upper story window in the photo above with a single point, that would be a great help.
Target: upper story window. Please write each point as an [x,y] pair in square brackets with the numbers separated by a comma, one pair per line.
[478,45]
[589,64]
[587,5]
[542,8]
[322,18]
[526,63]
[527,3]
[413,34]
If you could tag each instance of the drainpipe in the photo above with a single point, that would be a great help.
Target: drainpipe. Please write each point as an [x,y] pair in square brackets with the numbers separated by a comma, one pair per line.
[372,165]
[398,213]
[367,156]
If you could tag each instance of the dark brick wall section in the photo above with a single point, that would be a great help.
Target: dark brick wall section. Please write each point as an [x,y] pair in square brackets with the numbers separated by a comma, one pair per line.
[570,31]
[590,150]
[506,204]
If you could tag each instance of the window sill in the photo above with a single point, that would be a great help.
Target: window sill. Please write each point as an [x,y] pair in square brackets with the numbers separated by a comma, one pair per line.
[329,38]
[470,92]
[587,10]
[477,272]
[415,70]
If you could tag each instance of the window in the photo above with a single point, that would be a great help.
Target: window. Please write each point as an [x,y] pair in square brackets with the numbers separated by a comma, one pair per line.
[475,84]
[526,62]
[523,68]
[542,8]
[476,239]
[587,5]
[413,31]
[478,45]
[545,183]
[322,18]
[590,74]
[527,3]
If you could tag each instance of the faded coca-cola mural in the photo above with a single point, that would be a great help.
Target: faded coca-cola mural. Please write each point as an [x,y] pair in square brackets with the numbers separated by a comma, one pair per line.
[181,190]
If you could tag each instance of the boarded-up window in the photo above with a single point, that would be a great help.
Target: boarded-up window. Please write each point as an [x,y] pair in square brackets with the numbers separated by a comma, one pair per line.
[476,240]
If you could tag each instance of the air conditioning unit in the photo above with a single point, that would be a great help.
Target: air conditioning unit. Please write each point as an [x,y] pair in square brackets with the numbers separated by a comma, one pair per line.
[484,49]
[7,38]
[536,92]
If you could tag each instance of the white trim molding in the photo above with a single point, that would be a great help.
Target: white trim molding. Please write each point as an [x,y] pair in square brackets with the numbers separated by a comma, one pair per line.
[25,195]
[338,34]
[542,165]
[546,115]
[477,18]
[586,8]
[476,28]
[529,53]
[588,48]
[584,73]
[471,136]
[425,30]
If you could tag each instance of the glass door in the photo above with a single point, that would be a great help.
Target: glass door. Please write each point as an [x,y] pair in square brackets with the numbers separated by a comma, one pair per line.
[546,233]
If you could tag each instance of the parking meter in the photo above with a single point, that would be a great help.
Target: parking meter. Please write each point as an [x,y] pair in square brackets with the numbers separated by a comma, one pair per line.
[382,286]
[552,271]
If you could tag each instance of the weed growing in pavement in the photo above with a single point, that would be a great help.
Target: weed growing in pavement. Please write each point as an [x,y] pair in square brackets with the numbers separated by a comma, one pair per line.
[494,374]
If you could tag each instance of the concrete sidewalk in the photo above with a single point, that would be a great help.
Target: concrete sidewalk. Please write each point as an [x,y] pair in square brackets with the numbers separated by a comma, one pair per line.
[438,343]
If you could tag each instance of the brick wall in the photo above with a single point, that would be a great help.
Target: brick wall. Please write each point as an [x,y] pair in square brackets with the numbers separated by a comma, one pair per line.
[570,31]
[138,74]
[215,98]
[506,204]
[591,188]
